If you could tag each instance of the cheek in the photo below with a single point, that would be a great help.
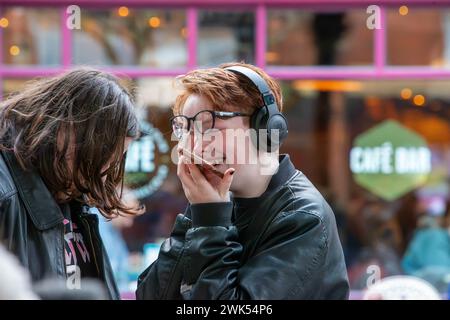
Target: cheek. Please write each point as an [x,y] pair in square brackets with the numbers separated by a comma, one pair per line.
[186,142]
[237,148]
[230,147]
[222,145]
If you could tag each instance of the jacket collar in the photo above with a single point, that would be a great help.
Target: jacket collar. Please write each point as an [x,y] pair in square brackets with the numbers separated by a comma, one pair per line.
[285,171]
[37,199]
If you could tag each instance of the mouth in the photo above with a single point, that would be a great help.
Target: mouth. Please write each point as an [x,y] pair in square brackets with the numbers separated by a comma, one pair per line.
[216,166]
[216,161]
[214,171]
[217,169]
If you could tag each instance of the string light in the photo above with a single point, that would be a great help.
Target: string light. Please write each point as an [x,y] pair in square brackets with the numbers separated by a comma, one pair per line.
[123,11]
[154,22]
[406,93]
[4,23]
[419,100]
[14,50]
[403,10]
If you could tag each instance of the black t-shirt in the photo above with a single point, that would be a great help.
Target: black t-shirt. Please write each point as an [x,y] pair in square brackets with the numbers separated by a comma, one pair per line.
[78,249]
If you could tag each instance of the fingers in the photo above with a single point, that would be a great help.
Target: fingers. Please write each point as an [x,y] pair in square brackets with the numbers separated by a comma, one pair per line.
[184,142]
[183,172]
[224,186]
[196,175]
[198,188]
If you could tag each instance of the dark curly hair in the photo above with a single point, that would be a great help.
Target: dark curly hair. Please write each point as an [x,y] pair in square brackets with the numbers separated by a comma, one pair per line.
[85,114]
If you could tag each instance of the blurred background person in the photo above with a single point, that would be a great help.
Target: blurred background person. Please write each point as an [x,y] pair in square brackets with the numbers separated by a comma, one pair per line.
[15,281]
[115,245]
[428,253]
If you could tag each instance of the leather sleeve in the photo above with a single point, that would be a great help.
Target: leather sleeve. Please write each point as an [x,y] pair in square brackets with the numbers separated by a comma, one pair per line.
[8,215]
[162,279]
[202,259]
[289,261]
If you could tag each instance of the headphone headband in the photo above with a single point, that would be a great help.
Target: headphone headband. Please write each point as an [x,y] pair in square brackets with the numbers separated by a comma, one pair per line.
[268,117]
[255,78]
[267,95]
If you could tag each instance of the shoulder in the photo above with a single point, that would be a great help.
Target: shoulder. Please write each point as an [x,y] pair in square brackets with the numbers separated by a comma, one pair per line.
[304,198]
[7,186]
[301,209]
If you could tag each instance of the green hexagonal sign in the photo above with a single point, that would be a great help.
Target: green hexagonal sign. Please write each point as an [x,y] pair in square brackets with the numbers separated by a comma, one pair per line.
[390,160]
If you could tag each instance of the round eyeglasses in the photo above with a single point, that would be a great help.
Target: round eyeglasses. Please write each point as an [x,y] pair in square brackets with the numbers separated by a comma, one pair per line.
[203,121]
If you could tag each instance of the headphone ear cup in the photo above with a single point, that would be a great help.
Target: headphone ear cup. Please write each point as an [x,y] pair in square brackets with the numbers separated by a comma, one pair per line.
[258,121]
[276,122]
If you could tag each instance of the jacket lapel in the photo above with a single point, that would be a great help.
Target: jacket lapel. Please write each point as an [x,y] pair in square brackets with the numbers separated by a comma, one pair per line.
[37,199]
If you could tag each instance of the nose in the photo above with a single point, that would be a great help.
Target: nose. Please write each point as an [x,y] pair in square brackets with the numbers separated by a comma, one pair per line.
[186,142]
[198,144]
[194,142]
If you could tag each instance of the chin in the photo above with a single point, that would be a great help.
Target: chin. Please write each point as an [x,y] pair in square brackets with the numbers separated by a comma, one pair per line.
[234,186]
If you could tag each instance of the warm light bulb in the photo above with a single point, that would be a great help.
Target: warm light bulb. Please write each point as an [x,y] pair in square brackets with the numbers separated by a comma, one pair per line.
[123,11]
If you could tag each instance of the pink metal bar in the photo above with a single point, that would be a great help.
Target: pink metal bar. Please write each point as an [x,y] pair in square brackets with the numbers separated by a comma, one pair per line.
[66,38]
[261,36]
[380,71]
[380,42]
[289,73]
[357,73]
[33,71]
[192,35]
[1,56]
[145,72]
[1,39]
[227,2]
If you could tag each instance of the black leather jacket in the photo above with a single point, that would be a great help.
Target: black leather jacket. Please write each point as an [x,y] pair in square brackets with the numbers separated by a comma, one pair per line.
[31,226]
[290,249]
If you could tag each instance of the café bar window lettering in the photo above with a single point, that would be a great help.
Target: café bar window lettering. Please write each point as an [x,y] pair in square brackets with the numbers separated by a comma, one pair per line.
[146,166]
[385,160]
[390,160]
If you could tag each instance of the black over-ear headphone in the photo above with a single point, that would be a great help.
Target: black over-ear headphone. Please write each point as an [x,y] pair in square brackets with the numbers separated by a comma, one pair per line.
[268,116]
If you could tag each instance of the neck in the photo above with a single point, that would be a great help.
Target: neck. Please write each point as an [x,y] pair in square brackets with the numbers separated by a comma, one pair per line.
[256,178]
[253,188]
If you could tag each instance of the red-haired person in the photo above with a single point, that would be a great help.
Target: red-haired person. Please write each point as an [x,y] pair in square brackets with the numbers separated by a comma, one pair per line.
[257,230]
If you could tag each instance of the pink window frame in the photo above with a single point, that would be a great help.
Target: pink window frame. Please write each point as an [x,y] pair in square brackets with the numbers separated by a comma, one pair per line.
[379,69]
